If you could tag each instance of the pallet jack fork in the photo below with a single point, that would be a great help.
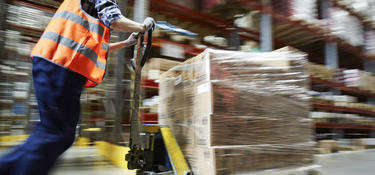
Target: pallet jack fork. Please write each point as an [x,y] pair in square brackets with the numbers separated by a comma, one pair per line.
[153,148]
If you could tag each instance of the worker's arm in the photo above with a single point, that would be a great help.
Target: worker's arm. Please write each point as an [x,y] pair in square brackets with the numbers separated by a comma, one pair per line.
[132,40]
[116,46]
[123,24]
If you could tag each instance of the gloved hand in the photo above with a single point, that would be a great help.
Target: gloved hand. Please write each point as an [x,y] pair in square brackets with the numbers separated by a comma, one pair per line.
[132,39]
[149,23]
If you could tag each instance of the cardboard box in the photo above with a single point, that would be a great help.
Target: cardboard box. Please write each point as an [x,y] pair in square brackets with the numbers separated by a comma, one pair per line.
[322,151]
[331,145]
[245,159]
[227,99]
[217,130]
[349,148]
[320,71]
[161,64]
[368,143]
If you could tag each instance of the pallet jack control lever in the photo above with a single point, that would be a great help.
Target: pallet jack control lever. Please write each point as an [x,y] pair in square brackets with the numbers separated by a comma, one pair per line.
[147,51]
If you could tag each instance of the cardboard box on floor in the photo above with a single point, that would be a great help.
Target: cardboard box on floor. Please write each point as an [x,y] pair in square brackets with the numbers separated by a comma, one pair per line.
[330,145]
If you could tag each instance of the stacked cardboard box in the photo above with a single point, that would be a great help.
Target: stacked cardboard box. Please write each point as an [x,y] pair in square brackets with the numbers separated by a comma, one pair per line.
[364,8]
[356,78]
[237,112]
[157,66]
[368,143]
[345,26]
[370,42]
[305,10]
[300,10]
[320,71]
[330,145]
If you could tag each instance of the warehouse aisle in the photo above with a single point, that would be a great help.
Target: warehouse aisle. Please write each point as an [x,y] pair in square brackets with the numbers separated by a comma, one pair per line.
[85,161]
[348,163]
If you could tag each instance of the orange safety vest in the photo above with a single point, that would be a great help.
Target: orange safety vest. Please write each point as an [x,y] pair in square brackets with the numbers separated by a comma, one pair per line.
[76,41]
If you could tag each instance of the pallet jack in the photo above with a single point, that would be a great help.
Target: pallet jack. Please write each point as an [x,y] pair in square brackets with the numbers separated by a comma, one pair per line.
[153,148]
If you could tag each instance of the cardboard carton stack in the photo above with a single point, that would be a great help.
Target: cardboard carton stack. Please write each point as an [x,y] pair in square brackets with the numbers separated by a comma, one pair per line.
[157,66]
[367,143]
[345,26]
[236,112]
[297,10]
[370,42]
[356,78]
[320,71]
[305,10]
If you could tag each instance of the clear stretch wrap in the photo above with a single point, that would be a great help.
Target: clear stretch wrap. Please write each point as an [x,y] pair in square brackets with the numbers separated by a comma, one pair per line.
[237,112]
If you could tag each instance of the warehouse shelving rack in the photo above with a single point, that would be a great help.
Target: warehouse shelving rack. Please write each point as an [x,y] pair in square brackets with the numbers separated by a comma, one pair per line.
[301,35]
[203,20]
[311,38]
[34,4]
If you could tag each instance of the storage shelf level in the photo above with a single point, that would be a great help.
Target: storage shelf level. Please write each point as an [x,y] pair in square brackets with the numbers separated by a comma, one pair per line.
[343,126]
[149,118]
[149,84]
[341,86]
[334,108]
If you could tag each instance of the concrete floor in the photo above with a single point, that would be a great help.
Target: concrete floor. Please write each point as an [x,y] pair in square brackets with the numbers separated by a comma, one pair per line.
[348,163]
[85,161]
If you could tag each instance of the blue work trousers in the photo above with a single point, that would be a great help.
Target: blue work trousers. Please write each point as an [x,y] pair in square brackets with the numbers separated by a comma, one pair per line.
[58,92]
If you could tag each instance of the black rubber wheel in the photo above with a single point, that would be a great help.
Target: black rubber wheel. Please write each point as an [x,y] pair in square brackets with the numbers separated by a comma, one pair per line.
[139,172]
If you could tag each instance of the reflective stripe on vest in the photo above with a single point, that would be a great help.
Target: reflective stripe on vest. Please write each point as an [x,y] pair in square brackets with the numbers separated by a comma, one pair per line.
[75,46]
[96,28]
[105,46]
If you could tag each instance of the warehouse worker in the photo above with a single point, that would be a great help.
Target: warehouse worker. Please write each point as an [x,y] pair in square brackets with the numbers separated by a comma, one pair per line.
[71,53]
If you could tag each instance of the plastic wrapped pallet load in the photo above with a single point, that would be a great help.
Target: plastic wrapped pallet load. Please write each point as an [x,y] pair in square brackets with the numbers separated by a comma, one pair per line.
[239,113]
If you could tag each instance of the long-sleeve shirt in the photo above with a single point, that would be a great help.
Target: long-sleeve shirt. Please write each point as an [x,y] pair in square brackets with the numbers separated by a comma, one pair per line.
[105,10]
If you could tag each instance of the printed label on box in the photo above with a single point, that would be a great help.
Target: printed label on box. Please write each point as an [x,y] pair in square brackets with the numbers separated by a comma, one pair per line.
[178,80]
[203,88]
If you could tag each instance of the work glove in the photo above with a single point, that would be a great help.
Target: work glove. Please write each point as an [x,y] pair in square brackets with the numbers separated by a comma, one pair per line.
[132,39]
[149,23]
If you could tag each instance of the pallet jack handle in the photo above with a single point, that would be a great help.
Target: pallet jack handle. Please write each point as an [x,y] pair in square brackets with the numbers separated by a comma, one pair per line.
[146,54]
